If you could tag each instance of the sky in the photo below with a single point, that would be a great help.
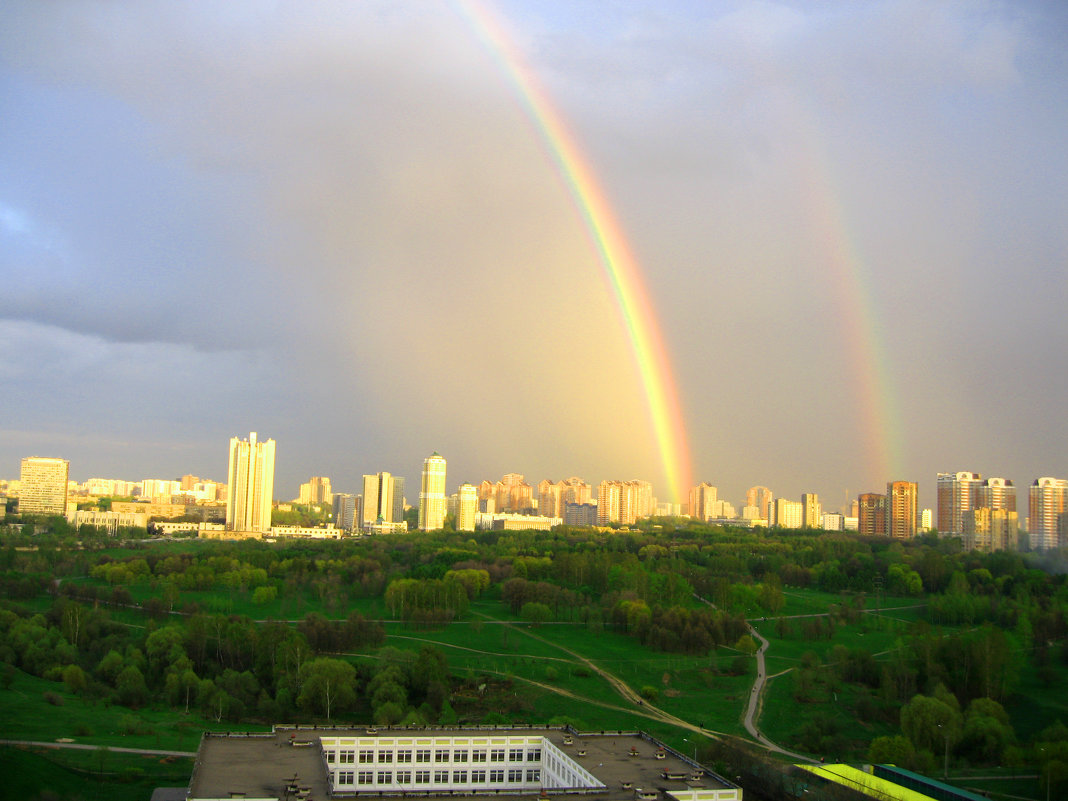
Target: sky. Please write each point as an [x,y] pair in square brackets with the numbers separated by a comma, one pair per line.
[340,226]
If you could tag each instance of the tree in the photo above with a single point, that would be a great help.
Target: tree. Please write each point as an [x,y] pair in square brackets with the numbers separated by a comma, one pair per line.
[930,723]
[535,612]
[75,679]
[131,687]
[892,750]
[326,685]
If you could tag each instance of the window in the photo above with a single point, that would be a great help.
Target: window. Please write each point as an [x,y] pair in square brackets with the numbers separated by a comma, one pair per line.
[496,776]
[534,755]
[404,777]
[459,776]
[331,756]
[478,776]
[404,756]
[441,755]
[385,757]
[347,757]
[365,777]
[459,755]
[422,755]
[515,775]
[533,774]
[497,755]
[385,777]
[345,777]
[515,755]
[441,777]
[478,755]
[367,757]
[422,777]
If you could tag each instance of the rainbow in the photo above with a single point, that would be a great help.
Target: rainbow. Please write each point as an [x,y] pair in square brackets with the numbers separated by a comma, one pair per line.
[613,254]
[880,431]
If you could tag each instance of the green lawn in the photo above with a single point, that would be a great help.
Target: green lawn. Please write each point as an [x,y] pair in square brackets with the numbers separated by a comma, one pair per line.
[29,716]
[32,773]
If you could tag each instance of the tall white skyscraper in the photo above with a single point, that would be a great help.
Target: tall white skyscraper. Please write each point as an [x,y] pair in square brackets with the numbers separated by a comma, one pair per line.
[251,484]
[432,493]
[43,486]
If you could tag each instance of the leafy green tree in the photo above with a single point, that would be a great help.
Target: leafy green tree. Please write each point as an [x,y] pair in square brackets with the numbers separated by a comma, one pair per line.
[931,724]
[131,688]
[892,750]
[327,685]
[75,679]
[535,612]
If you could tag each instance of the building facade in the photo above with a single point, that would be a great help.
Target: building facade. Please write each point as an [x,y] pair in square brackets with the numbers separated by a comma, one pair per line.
[383,500]
[761,498]
[901,501]
[432,493]
[1047,501]
[43,486]
[871,518]
[466,507]
[251,484]
[811,510]
[702,501]
[956,495]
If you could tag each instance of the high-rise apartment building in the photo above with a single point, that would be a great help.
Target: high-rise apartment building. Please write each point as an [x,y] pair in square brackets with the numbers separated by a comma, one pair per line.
[703,501]
[346,507]
[811,510]
[513,494]
[996,493]
[432,493]
[987,529]
[43,486]
[250,484]
[901,501]
[550,498]
[761,498]
[383,500]
[316,492]
[785,513]
[1048,499]
[466,507]
[608,502]
[575,490]
[956,495]
[871,517]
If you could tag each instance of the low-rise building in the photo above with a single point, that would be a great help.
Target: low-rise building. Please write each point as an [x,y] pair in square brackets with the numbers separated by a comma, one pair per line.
[504,762]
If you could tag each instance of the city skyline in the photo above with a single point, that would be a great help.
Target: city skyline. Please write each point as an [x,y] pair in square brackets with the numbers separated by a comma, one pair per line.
[845,222]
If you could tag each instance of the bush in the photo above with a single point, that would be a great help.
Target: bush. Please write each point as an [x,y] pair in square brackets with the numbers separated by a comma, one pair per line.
[649,693]
[55,699]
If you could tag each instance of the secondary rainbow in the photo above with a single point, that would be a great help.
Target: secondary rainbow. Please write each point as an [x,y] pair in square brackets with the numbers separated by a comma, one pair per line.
[613,253]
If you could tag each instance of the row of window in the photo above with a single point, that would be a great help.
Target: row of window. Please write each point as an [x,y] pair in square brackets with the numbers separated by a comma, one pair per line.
[441,755]
[515,775]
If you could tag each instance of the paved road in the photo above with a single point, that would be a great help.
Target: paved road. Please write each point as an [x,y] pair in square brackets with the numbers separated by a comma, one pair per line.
[756,699]
[87,747]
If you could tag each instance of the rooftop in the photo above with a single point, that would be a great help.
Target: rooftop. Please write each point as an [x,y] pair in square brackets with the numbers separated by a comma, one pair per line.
[290,763]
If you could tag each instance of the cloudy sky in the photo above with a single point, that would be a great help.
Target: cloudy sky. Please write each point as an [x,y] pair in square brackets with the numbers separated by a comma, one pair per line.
[337,225]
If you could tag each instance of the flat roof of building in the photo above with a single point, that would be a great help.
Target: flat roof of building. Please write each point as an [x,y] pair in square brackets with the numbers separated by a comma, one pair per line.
[263,765]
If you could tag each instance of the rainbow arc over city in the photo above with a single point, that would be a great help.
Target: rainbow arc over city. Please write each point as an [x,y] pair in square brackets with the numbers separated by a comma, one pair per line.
[614,256]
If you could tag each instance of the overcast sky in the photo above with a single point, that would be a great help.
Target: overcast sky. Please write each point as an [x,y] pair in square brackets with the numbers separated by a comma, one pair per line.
[335,224]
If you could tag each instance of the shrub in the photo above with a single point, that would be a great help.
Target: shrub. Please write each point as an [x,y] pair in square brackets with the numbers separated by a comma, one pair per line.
[55,699]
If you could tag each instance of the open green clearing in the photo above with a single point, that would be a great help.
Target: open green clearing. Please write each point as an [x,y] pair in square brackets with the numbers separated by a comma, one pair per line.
[90,776]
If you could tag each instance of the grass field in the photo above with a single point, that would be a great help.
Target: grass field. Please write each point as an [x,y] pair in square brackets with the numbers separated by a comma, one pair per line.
[29,716]
[91,776]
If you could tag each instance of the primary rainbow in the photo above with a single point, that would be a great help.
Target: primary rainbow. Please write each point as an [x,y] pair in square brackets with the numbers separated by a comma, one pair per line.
[613,253]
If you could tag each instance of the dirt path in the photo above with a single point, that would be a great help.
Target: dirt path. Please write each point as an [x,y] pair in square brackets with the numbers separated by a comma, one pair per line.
[643,707]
